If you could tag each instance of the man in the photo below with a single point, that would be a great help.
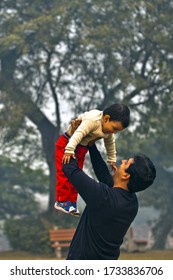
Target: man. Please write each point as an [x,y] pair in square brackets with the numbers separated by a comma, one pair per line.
[111,204]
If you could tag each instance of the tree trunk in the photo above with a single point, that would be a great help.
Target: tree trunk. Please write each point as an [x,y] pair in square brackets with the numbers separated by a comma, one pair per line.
[49,133]
[163,228]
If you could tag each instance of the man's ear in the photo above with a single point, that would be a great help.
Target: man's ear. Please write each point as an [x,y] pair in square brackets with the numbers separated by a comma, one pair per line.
[106,118]
[125,176]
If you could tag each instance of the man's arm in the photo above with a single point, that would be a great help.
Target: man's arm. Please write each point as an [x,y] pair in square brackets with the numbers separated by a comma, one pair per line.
[90,190]
[100,167]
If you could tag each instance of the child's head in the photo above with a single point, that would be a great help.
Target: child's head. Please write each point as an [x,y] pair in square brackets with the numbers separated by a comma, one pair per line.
[115,118]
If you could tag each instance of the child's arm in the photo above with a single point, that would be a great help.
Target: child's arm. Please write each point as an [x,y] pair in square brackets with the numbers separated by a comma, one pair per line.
[83,129]
[74,125]
[110,146]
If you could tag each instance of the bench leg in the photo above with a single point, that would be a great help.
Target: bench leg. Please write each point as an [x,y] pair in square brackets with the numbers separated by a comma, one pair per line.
[58,252]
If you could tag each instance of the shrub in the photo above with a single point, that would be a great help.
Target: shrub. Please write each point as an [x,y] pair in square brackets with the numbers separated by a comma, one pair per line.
[28,234]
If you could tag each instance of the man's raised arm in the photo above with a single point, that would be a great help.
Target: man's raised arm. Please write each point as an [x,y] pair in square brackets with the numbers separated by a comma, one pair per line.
[100,167]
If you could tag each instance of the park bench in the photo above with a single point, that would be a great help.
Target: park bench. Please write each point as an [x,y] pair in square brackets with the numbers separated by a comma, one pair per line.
[61,238]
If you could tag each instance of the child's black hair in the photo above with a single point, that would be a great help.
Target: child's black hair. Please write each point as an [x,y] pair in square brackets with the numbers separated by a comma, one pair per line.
[118,112]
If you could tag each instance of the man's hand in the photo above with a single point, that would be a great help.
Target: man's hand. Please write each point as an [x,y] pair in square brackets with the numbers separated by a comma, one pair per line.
[66,158]
[113,166]
[74,125]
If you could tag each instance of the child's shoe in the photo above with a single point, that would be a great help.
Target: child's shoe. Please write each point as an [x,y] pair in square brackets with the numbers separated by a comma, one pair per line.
[76,212]
[66,207]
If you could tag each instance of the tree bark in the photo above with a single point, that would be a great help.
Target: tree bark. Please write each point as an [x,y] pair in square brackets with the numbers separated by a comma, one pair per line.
[49,133]
[163,228]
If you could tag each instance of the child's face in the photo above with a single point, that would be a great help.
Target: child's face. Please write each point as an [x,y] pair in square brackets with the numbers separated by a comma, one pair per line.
[109,127]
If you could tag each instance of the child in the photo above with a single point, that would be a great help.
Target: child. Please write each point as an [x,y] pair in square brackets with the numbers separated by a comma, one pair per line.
[94,125]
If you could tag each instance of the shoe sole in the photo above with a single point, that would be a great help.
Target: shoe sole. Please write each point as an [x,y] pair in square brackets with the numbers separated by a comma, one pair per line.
[61,209]
[74,214]
[66,212]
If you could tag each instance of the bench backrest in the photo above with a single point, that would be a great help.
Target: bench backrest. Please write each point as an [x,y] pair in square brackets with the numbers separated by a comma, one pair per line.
[61,234]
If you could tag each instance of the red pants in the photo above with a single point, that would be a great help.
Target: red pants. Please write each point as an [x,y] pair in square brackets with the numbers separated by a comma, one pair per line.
[64,189]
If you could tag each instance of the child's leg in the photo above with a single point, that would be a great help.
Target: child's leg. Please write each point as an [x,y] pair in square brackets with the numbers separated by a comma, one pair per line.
[63,186]
[80,156]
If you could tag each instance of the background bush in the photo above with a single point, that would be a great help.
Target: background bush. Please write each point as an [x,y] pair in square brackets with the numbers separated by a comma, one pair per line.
[28,234]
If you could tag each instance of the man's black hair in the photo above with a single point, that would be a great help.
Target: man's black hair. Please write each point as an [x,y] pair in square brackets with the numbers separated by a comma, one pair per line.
[142,173]
[118,112]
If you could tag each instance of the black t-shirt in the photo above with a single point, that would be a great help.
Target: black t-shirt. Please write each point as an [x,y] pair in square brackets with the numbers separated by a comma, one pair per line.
[107,216]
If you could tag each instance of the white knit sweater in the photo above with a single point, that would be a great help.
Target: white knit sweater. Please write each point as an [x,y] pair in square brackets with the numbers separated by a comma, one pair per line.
[89,130]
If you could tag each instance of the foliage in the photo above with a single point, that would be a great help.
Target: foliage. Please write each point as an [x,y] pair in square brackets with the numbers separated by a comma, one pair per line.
[97,53]
[18,186]
[78,55]
[28,234]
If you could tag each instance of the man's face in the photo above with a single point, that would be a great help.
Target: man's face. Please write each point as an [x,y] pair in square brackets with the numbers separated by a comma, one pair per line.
[109,127]
[121,173]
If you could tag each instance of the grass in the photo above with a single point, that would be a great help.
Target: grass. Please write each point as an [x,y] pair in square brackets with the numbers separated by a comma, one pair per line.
[148,255]
[18,255]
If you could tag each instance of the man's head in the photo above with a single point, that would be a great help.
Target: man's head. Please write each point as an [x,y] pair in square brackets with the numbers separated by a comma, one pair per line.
[137,173]
[115,118]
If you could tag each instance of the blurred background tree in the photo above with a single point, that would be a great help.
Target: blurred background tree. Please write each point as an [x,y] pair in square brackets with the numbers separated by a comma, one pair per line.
[61,58]
[18,186]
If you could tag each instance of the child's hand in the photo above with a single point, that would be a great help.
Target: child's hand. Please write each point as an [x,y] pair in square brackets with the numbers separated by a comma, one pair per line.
[113,166]
[66,158]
